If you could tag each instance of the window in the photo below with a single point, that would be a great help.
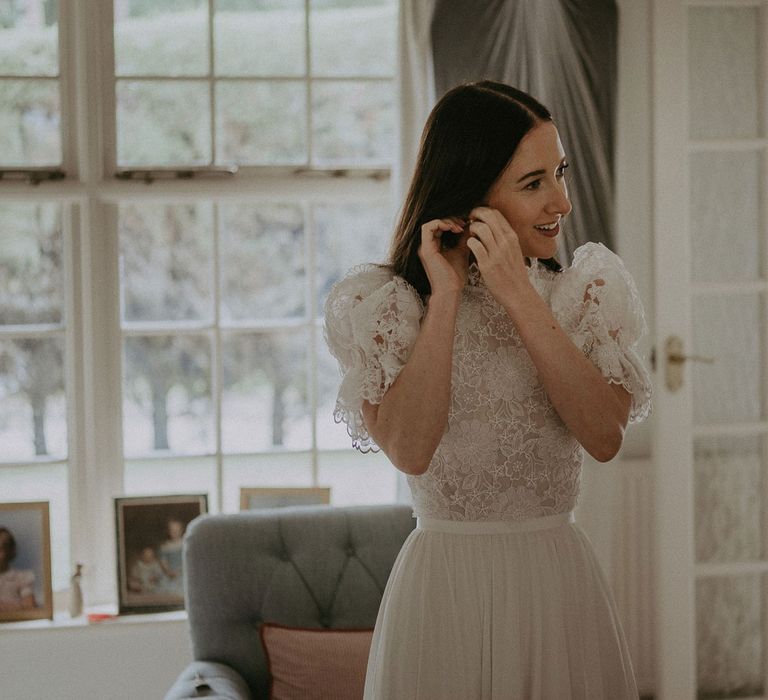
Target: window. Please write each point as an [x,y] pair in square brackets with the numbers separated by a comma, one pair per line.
[160,324]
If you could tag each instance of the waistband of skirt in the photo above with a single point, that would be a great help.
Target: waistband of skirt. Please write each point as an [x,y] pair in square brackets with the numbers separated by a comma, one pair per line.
[489,527]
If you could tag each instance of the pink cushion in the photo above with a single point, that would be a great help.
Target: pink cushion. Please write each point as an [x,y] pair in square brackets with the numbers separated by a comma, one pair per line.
[312,664]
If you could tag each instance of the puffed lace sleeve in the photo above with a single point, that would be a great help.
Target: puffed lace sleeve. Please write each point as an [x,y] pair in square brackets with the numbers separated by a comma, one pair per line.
[372,320]
[598,301]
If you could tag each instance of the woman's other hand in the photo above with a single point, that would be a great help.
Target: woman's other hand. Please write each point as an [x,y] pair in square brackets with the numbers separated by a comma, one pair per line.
[496,248]
[447,268]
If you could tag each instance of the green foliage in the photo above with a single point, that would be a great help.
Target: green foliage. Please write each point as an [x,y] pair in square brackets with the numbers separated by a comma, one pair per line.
[166,251]
[31,285]
[166,254]
[158,365]
[29,123]
[263,264]
[262,123]
[28,49]
[169,123]
[256,5]
[159,8]
[163,124]
[12,12]
[31,291]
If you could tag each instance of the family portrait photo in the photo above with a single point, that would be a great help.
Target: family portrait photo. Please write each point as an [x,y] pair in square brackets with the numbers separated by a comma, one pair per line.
[25,562]
[150,533]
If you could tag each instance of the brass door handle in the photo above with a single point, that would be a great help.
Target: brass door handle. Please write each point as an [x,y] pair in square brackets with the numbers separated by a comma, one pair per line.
[676,359]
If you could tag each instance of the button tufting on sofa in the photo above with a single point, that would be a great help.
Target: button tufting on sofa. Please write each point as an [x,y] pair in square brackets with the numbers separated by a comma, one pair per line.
[234,582]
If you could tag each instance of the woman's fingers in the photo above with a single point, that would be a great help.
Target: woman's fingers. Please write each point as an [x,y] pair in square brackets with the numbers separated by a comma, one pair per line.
[433,231]
[480,229]
[492,227]
[436,226]
[496,221]
[479,250]
[446,266]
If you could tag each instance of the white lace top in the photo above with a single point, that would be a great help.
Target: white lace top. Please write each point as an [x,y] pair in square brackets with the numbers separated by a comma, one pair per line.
[505,454]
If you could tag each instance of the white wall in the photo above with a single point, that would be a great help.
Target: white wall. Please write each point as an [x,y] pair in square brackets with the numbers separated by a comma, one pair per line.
[134,658]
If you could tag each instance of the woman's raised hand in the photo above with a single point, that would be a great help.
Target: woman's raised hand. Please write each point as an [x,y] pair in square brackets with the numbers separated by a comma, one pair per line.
[496,248]
[446,268]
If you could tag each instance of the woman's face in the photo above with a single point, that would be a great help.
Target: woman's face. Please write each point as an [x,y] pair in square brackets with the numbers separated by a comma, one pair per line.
[531,192]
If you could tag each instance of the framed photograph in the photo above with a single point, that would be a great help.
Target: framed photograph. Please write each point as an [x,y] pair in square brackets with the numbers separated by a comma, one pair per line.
[150,531]
[253,498]
[25,562]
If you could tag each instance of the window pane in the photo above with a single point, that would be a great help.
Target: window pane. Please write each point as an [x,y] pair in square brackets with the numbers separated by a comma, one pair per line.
[262,261]
[265,402]
[286,469]
[348,235]
[161,37]
[724,58]
[167,395]
[45,482]
[729,636]
[330,435]
[30,116]
[155,477]
[31,287]
[261,123]
[728,328]
[29,37]
[726,190]
[362,133]
[353,38]
[167,267]
[259,39]
[163,123]
[33,418]
[728,485]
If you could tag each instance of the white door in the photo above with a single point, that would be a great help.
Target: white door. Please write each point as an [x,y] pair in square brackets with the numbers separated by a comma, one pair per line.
[710,105]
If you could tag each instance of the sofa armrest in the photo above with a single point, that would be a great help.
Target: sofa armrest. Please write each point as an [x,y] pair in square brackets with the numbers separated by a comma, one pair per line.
[207,679]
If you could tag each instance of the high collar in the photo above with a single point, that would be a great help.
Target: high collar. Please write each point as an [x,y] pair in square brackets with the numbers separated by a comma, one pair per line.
[475,279]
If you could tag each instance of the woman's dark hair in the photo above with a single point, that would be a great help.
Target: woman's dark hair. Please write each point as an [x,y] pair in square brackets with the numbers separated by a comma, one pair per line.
[469,138]
[11,543]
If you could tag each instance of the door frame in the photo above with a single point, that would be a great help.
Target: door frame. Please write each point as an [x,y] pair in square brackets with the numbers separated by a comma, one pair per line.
[673,430]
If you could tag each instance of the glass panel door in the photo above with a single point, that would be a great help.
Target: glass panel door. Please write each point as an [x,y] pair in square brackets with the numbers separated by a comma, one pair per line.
[727,205]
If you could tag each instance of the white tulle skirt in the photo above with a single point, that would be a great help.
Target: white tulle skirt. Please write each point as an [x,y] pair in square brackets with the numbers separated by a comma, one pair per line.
[498,611]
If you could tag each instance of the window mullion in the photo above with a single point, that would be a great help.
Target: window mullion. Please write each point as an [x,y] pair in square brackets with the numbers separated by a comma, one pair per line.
[308,78]
[217,361]
[310,257]
[96,310]
[211,81]
[68,34]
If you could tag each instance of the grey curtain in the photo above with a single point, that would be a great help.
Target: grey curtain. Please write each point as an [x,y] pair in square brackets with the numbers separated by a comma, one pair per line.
[564,53]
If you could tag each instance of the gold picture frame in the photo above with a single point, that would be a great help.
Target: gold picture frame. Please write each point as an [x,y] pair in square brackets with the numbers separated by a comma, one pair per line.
[26,592]
[280,497]
[150,532]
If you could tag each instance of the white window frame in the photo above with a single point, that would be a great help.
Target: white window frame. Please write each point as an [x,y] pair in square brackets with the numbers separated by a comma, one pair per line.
[93,334]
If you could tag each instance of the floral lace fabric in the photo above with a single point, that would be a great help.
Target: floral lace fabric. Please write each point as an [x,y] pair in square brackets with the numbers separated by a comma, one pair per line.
[505,454]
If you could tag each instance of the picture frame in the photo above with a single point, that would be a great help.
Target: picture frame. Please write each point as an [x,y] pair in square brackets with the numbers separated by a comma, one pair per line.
[280,497]
[150,532]
[26,591]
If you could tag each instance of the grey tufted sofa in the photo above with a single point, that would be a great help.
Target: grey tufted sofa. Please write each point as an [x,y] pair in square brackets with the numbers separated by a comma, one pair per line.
[306,566]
